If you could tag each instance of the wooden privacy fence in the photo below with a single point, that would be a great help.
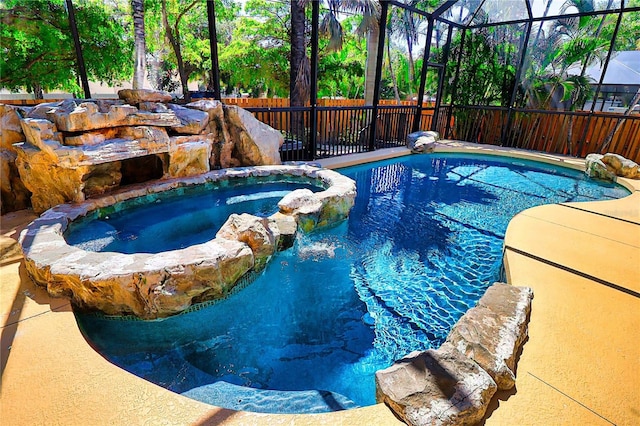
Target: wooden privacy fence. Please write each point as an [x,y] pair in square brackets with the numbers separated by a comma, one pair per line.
[343,126]
[560,132]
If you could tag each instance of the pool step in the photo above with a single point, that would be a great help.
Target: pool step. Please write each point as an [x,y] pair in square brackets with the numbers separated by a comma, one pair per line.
[228,395]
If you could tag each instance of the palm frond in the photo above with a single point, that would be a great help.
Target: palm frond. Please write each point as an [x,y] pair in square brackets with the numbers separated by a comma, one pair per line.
[331,27]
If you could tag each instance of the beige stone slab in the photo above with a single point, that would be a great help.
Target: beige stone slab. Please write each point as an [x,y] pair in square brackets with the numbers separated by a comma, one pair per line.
[22,299]
[627,208]
[578,250]
[584,348]
[51,367]
[593,224]
[53,371]
[535,403]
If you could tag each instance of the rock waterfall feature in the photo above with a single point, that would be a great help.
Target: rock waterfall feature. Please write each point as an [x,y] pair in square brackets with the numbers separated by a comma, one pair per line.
[77,149]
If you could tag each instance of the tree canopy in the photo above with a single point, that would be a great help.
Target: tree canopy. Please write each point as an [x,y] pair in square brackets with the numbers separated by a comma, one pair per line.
[38,52]
[255,49]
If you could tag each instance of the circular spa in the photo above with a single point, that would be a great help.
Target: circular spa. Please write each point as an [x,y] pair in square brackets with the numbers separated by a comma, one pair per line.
[419,248]
[155,250]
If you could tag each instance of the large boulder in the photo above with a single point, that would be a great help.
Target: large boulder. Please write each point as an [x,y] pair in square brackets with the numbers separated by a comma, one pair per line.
[166,283]
[221,152]
[42,134]
[49,182]
[137,96]
[87,116]
[304,206]
[10,127]
[40,111]
[253,231]
[14,194]
[90,115]
[422,142]
[610,165]
[284,228]
[255,142]
[192,121]
[436,387]
[621,166]
[189,155]
[492,332]
[91,138]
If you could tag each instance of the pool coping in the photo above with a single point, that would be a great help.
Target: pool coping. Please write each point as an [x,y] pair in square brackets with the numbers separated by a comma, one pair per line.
[51,375]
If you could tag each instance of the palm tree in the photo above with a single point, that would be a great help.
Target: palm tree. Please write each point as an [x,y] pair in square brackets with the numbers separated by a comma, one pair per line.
[405,23]
[140,49]
[299,75]
[331,26]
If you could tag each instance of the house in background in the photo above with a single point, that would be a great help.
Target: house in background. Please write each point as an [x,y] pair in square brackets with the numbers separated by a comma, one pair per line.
[621,82]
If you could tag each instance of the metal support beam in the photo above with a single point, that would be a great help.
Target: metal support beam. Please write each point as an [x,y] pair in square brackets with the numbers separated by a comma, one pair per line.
[456,78]
[82,70]
[523,47]
[382,25]
[313,84]
[476,12]
[442,73]
[529,11]
[606,61]
[443,8]
[582,140]
[556,17]
[423,76]
[213,44]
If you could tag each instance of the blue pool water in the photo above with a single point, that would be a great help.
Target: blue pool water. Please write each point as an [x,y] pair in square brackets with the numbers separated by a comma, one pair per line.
[422,243]
[176,220]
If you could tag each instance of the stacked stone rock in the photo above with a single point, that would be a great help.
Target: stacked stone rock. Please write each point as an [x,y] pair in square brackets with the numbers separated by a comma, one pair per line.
[14,194]
[72,150]
[453,385]
[609,166]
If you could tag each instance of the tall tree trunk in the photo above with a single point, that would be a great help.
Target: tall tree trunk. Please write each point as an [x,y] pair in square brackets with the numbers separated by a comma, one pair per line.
[37,91]
[412,68]
[173,34]
[140,48]
[298,71]
[373,37]
[298,54]
[393,75]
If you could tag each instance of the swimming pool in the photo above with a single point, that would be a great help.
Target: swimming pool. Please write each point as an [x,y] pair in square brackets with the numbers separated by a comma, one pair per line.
[422,242]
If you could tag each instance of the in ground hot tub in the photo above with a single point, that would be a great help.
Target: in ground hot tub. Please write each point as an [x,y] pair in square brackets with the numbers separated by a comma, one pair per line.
[153,282]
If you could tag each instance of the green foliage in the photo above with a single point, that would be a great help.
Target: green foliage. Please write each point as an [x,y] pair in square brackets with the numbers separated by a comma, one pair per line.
[189,25]
[38,51]
[256,60]
[487,69]
[341,73]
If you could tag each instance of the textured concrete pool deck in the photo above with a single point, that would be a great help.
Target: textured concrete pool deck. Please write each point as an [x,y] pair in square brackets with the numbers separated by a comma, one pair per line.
[581,364]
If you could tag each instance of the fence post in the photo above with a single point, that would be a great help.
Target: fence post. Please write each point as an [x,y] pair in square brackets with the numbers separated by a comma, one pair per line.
[313,93]
[423,77]
[506,130]
[382,23]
